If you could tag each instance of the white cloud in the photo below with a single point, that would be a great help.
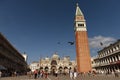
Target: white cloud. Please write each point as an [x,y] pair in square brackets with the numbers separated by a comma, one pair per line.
[96,41]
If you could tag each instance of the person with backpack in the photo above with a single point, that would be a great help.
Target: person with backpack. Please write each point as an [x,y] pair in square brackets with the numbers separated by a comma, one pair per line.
[35,74]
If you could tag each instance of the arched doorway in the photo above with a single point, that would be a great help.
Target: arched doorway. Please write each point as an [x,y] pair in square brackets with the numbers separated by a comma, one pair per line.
[46,69]
[65,67]
[60,69]
[65,70]
[41,68]
[53,62]
[53,66]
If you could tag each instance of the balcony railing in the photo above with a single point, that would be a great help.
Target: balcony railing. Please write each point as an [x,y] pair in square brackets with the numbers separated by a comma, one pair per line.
[105,64]
[109,54]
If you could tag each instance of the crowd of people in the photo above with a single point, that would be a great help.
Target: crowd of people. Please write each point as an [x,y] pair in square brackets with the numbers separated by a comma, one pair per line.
[44,73]
[5,73]
[72,73]
[37,74]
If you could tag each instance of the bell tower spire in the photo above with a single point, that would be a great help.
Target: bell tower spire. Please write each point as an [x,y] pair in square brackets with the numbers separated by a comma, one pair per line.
[78,11]
[82,46]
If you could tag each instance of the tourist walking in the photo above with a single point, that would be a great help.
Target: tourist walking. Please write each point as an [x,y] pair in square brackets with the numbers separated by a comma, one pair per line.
[116,74]
[56,73]
[42,73]
[0,74]
[46,74]
[71,73]
[15,73]
[75,73]
[38,74]
[35,74]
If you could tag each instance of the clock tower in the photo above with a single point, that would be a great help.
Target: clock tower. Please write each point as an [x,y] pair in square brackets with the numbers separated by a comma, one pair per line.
[82,45]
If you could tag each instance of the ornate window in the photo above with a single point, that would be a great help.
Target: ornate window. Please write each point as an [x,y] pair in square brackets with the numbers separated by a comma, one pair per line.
[80,25]
[54,62]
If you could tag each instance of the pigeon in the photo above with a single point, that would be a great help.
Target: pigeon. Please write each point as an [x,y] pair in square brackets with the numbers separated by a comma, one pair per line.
[71,43]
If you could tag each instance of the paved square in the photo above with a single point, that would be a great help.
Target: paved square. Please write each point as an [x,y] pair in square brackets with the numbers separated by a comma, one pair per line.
[65,77]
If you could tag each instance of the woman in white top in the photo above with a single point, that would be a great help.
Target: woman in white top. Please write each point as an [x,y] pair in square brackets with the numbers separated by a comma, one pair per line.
[71,74]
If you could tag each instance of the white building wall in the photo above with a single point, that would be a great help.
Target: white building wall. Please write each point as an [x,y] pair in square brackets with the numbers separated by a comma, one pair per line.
[33,66]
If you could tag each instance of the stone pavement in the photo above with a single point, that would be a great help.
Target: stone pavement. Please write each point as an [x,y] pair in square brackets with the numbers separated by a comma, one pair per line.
[63,77]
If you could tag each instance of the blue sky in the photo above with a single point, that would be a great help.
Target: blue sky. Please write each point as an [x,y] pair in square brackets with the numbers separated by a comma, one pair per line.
[36,26]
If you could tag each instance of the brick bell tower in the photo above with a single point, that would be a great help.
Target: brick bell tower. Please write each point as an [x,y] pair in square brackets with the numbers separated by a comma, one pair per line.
[82,45]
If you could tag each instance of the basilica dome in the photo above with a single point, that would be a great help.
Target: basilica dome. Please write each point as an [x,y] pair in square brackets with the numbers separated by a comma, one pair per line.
[55,56]
[46,58]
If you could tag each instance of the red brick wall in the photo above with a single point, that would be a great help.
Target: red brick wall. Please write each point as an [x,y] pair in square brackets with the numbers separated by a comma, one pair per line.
[82,51]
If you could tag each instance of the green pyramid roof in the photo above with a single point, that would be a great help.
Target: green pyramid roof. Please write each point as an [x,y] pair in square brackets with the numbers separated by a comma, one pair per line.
[78,11]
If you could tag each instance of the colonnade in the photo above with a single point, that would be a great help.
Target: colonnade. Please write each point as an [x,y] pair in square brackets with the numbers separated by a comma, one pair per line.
[108,59]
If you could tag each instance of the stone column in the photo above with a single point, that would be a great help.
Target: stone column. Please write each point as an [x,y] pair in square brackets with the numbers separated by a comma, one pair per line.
[116,58]
[110,60]
[119,57]
[113,59]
